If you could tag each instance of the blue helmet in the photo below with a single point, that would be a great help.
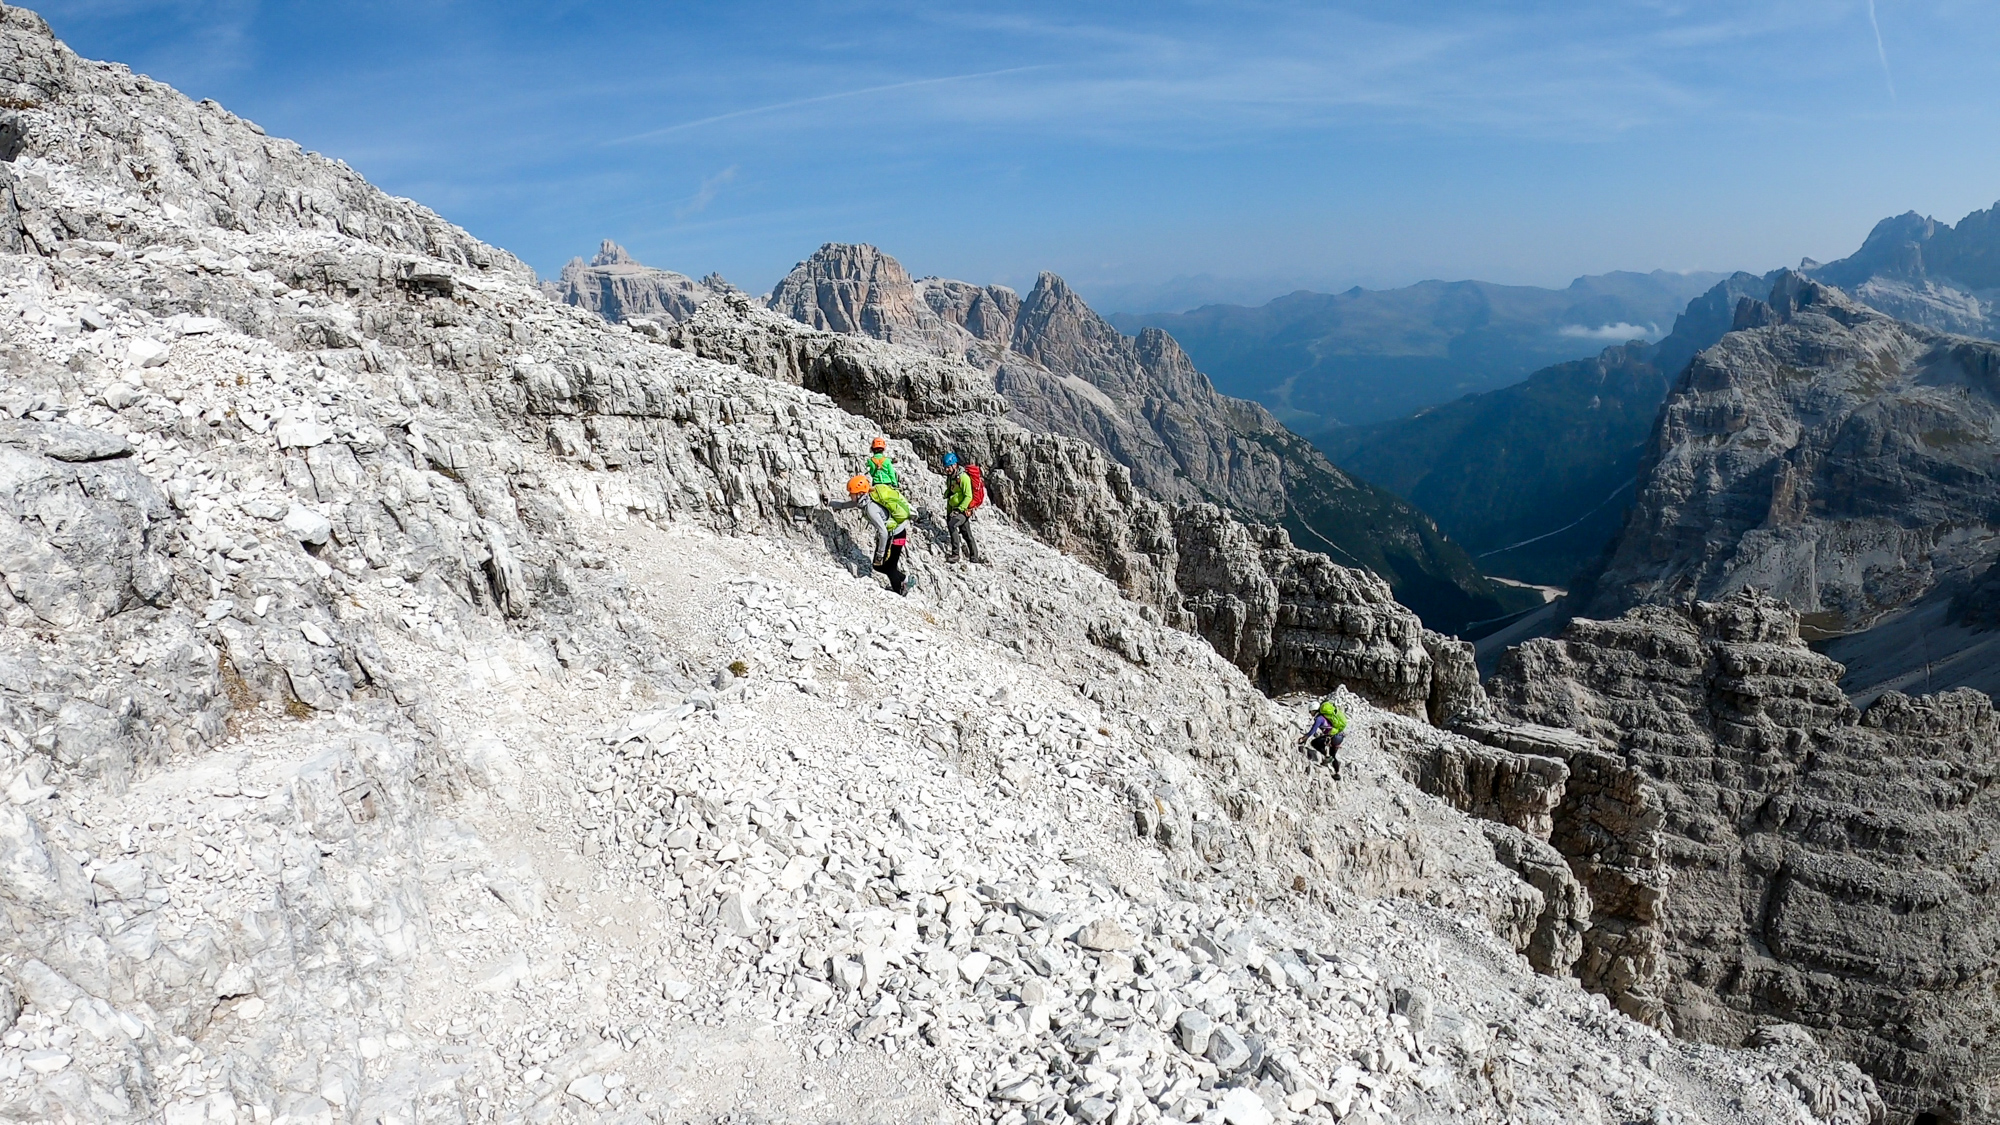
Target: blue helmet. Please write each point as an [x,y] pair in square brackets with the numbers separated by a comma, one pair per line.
[950,459]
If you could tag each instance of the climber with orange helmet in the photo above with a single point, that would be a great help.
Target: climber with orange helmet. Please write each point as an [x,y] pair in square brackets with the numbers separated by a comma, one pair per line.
[890,514]
[880,469]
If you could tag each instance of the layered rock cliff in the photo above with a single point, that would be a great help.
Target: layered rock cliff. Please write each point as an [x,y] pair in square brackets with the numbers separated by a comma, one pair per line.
[1065,370]
[1830,455]
[1758,850]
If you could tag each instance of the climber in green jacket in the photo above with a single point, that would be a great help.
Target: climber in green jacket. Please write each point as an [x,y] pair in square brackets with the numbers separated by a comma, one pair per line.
[1328,731]
[958,496]
[880,469]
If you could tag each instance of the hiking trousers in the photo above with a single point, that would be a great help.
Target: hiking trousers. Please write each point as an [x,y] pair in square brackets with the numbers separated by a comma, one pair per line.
[1328,747]
[958,525]
[892,565]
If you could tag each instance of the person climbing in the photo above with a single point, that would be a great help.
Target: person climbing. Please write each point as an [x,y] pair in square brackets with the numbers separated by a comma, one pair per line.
[890,514]
[958,497]
[880,469]
[1328,731]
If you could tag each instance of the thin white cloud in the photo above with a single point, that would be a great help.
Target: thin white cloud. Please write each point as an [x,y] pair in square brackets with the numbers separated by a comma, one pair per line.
[653,134]
[706,195]
[1278,68]
[209,40]
[1881,52]
[1616,333]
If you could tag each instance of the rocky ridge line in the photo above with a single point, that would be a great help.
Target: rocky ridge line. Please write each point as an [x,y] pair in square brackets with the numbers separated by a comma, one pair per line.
[1827,454]
[616,287]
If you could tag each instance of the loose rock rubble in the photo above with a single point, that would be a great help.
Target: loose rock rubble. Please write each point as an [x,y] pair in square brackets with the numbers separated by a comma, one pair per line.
[424,702]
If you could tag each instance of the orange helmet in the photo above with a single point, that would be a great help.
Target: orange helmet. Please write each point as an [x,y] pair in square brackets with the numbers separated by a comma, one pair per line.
[878,445]
[856,485]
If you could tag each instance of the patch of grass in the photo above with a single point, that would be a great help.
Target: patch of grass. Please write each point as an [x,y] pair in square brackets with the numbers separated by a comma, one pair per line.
[241,697]
[739,669]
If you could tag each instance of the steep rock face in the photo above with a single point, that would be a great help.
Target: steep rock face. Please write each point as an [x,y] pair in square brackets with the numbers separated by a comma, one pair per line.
[1978,606]
[1065,370]
[1826,453]
[1757,850]
[1288,618]
[619,289]
[860,290]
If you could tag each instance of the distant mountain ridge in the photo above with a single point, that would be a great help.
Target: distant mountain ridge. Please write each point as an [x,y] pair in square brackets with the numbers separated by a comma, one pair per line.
[1319,360]
[1926,272]
[616,287]
[1535,478]
[1537,463]
[1066,370]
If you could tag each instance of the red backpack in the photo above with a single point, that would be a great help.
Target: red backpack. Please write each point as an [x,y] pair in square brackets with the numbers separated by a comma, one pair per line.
[978,486]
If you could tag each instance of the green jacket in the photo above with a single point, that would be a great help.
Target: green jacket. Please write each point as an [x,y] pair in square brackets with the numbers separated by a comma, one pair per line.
[893,503]
[881,470]
[958,490]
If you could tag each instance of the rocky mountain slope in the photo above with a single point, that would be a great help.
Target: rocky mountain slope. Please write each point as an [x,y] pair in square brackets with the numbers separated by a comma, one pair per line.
[422,700]
[619,289]
[1290,619]
[1322,360]
[1535,479]
[1065,370]
[1839,459]
[1756,848]
[1926,272]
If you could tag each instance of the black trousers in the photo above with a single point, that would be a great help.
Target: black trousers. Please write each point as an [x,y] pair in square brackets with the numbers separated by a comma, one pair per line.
[1327,746]
[892,565]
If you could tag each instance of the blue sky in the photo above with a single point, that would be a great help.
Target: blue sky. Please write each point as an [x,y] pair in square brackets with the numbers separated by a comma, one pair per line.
[1245,148]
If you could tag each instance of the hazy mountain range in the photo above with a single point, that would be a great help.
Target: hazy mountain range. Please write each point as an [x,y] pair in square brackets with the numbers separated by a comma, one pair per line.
[1319,360]
[1549,462]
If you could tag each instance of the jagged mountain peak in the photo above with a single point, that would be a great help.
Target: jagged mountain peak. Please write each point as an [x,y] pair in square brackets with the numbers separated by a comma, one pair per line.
[1794,294]
[609,253]
[619,288]
[1751,475]
[855,287]
[1919,269]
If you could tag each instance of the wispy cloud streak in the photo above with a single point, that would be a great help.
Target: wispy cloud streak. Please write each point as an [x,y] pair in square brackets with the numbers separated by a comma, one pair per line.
[706,194]
[654,134]
[1881,52]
